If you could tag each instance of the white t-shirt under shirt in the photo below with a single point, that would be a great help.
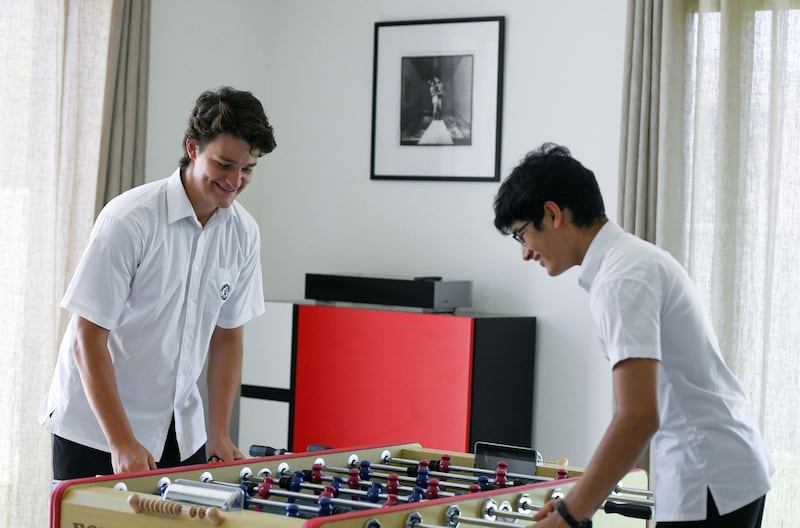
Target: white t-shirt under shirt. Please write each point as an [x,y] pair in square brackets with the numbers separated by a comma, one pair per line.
[160,283]
[646,306]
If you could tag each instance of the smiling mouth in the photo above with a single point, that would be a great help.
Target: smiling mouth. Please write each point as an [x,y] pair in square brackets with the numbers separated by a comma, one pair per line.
[224,188]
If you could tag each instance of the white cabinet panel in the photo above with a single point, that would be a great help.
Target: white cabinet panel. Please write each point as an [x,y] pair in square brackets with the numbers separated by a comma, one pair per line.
[267,341]
[263,422]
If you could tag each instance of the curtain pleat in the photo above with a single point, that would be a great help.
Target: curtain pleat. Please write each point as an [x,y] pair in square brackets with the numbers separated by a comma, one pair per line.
[640,120]
[125,113]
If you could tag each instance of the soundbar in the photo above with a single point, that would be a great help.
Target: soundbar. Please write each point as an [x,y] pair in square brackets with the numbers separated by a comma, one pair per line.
[429,293]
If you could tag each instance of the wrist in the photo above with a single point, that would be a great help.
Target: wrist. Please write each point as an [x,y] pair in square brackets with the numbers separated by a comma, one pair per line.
[121,438]
[563,511]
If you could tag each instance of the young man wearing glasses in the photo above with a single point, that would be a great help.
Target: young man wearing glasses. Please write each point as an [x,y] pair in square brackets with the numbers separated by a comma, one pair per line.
[670,382]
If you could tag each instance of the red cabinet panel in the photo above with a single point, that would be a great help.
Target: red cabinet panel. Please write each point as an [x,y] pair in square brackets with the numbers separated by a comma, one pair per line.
[343,376]
[381,377]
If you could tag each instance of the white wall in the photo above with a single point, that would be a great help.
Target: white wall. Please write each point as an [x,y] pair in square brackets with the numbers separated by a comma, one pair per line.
[310,62]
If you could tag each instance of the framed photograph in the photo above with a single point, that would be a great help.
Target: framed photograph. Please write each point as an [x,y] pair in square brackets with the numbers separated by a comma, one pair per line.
[437,99]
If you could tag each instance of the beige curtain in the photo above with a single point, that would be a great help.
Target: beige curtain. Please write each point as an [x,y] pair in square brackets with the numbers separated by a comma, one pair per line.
[710,170]
[640,126]
[125,114]
[638,144]
[53,58]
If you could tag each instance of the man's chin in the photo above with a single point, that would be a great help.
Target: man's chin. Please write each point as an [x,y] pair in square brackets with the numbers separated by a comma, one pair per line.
[225,202]
[555,272]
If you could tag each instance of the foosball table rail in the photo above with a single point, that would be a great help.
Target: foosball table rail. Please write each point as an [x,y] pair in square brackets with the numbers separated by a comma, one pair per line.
[144,499]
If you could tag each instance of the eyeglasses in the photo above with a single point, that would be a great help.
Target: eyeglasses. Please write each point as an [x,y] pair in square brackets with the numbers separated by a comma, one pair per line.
[516,234]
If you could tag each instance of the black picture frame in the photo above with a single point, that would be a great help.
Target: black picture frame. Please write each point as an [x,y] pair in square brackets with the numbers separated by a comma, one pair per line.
[437,99]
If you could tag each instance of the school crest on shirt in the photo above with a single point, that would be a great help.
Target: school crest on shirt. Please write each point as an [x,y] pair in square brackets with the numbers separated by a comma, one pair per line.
[224,292]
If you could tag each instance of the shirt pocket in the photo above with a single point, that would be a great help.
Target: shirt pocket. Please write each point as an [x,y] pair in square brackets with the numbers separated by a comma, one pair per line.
[219,288]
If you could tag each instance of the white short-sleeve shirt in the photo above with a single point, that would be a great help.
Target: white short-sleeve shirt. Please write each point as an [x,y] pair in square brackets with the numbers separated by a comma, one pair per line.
[160,283]
[645,306]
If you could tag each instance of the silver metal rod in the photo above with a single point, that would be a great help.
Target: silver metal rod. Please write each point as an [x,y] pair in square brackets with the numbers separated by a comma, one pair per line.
[341,502]
[482,471]
[510,514]
[438,474]
[403,478]
[630,500]
[634,491]
[282,505]
[484,522]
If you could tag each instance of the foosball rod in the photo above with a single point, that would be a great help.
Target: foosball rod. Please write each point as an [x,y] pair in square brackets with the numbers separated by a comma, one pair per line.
[386,456]
[625,506]
[324,505]
[401,478]
[365,466]
[201,491]
[449,475]
[360,492]
[453,516]
[269,484]
[246,477]
[348,491]
[284,471]
[391,496]
[307,496]
[628,506]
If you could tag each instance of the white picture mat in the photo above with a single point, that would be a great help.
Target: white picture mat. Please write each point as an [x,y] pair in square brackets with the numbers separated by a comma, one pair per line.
[480,39]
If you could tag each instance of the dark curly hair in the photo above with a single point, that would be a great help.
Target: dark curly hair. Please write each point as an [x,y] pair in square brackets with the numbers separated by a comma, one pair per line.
[229,111]
[549,173]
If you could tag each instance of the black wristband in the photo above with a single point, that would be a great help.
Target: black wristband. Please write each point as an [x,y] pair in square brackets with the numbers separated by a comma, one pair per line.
[561,508]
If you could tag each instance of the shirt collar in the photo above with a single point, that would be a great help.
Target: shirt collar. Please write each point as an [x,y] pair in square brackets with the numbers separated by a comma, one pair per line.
[594,255]
[179,206]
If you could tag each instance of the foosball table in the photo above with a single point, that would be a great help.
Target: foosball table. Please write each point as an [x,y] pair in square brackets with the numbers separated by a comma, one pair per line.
[397,486]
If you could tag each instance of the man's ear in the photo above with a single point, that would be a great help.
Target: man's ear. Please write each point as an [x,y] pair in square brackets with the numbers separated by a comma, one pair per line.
[191,148]
[554,213]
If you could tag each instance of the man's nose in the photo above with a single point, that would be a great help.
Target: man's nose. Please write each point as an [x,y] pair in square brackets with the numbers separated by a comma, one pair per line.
[527,254]
[234,177]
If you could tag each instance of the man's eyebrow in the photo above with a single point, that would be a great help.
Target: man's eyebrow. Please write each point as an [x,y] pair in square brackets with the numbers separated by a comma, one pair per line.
[228,160]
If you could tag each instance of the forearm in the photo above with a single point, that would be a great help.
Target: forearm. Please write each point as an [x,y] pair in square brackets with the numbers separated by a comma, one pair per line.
[634,422]
[93,360]
[618,451]
[223,378]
